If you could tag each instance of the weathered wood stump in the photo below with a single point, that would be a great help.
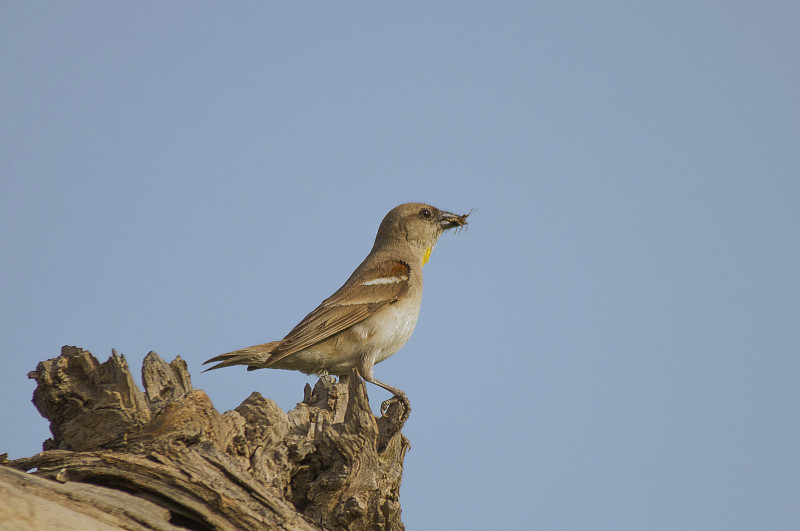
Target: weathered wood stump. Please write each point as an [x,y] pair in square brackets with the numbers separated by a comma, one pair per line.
[166,459]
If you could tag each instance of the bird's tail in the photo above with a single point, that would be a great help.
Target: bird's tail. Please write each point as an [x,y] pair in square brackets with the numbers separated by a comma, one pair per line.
[255,357]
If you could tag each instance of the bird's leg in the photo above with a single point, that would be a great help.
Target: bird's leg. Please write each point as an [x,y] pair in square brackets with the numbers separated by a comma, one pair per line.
[398,394]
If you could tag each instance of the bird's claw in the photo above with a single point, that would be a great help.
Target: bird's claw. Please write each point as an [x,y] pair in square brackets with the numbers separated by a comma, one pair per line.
[403,400]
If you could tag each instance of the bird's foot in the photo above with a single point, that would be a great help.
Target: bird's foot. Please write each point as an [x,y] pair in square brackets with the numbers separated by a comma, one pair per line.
[403,400]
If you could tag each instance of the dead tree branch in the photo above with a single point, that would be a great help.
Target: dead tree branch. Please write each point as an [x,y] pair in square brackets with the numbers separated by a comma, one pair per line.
[166,459]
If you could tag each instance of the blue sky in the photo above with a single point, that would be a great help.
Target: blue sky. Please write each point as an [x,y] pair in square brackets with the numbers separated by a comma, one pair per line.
[613,344]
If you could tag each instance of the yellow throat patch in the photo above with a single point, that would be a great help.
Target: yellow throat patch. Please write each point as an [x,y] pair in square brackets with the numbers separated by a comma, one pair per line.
[427,255]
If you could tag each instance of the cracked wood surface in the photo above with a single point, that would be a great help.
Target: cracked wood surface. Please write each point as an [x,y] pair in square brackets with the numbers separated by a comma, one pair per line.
[164,458]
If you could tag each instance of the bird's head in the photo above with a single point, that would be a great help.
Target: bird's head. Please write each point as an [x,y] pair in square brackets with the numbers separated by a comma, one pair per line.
[418,225]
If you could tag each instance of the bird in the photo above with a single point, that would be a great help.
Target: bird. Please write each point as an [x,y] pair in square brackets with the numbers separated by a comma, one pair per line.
[371,316]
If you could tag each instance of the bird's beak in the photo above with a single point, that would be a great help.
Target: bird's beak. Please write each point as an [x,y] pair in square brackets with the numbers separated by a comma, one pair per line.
[451,221]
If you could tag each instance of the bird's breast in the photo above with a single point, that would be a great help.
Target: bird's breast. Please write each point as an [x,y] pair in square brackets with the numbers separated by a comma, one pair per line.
[386,332]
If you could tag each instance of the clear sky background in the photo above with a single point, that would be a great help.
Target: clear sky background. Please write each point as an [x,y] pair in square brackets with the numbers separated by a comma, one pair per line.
[613,344]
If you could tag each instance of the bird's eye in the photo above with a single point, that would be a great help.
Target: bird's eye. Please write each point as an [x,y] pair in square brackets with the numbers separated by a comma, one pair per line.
[425,213]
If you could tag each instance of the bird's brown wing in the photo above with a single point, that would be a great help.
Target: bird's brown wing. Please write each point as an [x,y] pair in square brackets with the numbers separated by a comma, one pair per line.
[361,296]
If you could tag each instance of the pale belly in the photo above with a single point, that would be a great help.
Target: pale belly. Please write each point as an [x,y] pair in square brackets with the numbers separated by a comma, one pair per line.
[362,345]
[387,340]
